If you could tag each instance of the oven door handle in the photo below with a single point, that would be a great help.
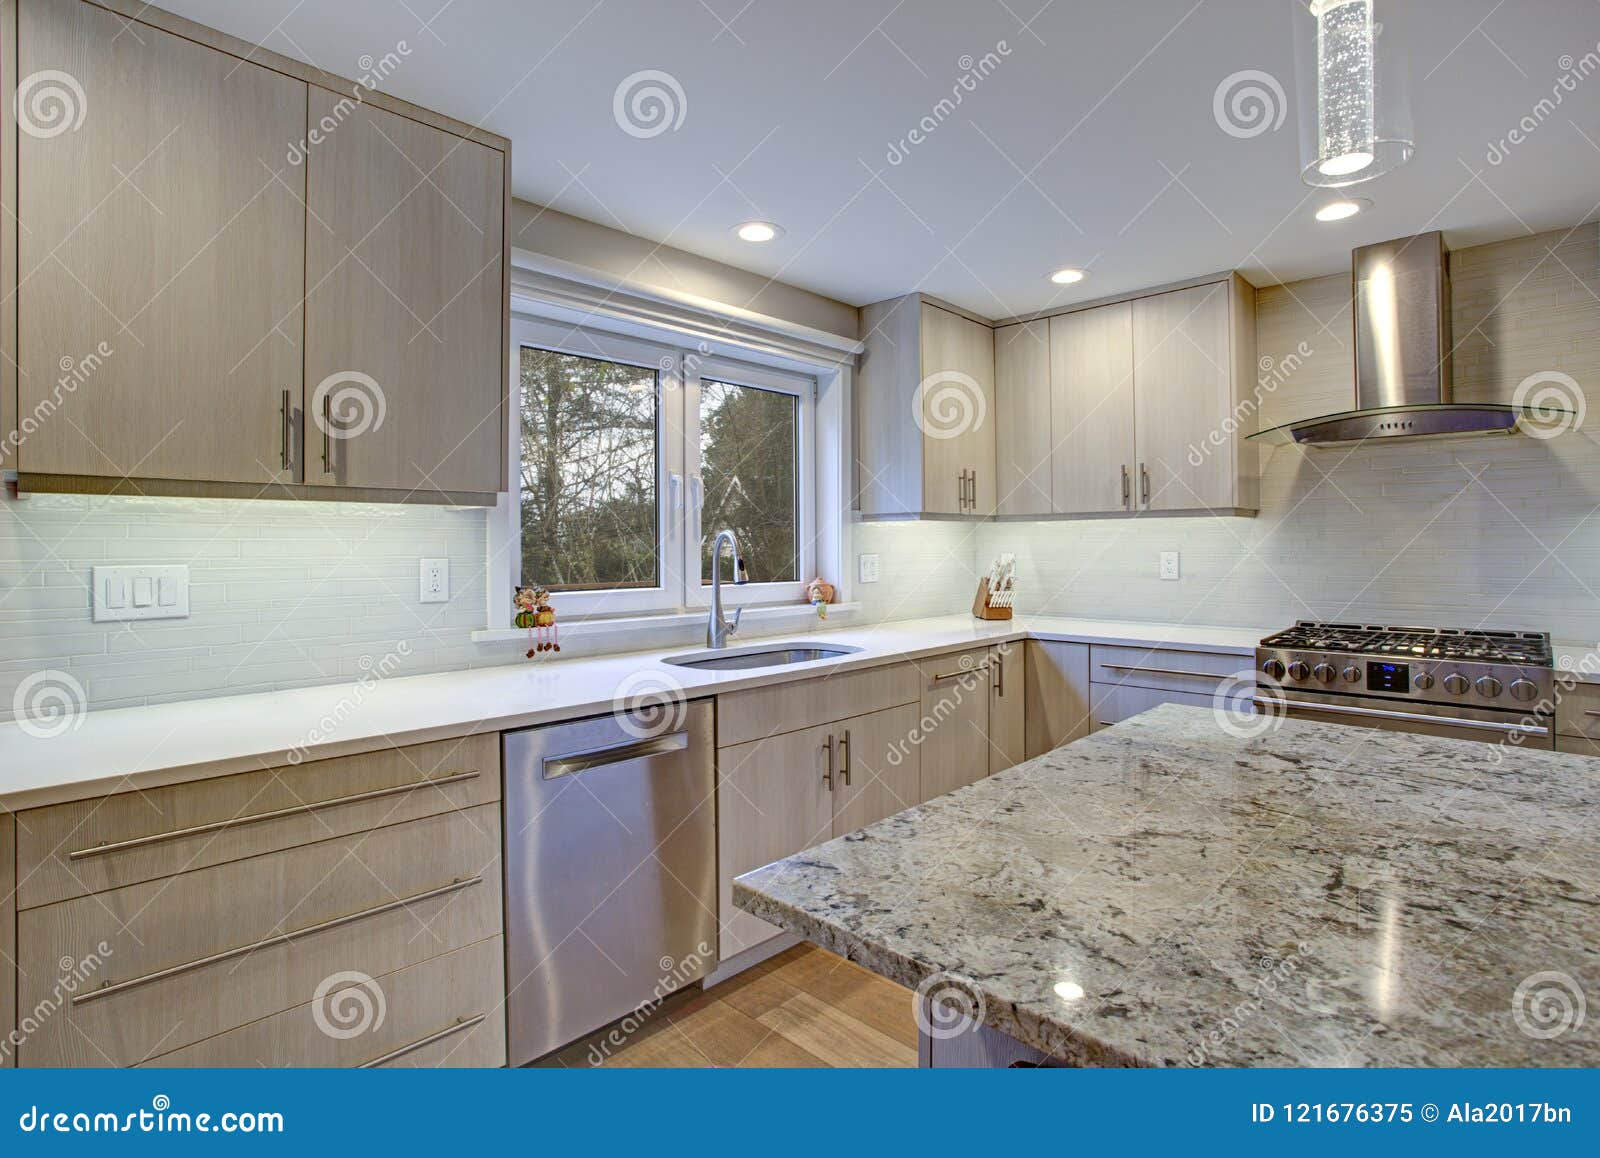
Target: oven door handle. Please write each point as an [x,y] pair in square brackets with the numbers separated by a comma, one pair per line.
[1379,714]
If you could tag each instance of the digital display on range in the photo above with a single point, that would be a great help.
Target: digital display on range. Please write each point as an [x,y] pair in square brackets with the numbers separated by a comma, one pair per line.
[1389,677]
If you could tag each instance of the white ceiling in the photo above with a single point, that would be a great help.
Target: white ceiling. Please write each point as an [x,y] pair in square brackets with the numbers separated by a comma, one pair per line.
[1092,143]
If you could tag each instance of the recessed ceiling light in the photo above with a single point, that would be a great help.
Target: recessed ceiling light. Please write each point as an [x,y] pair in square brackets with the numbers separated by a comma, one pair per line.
[758,231]
[1339,210]
[1068,276]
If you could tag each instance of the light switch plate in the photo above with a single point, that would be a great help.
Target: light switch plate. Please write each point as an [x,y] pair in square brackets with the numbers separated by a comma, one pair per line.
[1169,565]
[868,569]
[150,592]
[435,581]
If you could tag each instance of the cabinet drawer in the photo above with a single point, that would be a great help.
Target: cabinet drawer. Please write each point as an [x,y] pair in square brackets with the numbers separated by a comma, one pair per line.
[1578,745]
[181,959]
[447,1011]
[1178,671]
[88,846]
[759,712]
[1113,703]
[1578,709]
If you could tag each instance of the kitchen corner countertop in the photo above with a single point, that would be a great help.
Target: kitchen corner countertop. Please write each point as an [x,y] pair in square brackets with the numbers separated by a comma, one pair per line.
[120,750]
[1165,893]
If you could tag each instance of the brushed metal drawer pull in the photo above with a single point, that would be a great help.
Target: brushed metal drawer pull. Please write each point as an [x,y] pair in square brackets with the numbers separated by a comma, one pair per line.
[1290,706]
[440,1035]
[276,939]
[1590,712]
[977,669]
[1106,723]
[1172,671]
[558,766]
[275,814]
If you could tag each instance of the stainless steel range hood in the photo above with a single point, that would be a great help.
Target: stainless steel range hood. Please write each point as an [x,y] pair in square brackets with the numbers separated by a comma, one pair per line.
[1401,312]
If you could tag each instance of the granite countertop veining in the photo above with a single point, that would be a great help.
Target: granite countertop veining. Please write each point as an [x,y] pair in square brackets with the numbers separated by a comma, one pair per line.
[1165,893]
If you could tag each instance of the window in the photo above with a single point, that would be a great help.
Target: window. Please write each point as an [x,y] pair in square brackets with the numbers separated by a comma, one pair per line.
[633,455]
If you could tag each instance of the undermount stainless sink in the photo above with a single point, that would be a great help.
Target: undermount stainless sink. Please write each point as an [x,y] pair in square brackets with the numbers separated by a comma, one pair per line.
[770,655]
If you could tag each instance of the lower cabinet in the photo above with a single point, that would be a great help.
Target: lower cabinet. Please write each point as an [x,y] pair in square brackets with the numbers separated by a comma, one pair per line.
[1125,681]
[360,926]
[1057,691]
[8,934]
[1008,733]
[954,730]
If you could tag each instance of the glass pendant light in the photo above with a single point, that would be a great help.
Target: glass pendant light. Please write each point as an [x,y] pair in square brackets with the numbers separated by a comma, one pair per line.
[1356,126]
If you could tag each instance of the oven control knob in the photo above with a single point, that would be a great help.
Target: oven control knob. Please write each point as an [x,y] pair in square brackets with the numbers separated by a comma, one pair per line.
[1488,686]
[1524,690]
[1273,668]
[1352,674]
[1324,672]
[1298,670]
[1422,681]
[1456,684]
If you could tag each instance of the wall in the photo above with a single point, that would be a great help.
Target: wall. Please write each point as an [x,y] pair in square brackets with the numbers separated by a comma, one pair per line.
[1498,532]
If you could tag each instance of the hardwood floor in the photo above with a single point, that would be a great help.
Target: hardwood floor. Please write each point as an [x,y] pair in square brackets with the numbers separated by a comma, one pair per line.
[804,1007]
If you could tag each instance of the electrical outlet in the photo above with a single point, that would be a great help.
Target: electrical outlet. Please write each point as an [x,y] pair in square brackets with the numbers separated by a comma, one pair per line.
[436,580]
[148,592]
[868,569]
[1169,565]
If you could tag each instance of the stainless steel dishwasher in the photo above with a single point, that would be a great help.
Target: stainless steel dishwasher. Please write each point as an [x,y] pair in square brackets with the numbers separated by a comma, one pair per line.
[611,887]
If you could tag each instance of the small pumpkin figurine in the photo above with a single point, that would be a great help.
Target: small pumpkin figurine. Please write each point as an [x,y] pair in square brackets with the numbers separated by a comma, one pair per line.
[819,594]
[535,616]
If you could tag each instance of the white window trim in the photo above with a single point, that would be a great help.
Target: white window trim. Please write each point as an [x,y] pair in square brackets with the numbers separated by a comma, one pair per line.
[585,314]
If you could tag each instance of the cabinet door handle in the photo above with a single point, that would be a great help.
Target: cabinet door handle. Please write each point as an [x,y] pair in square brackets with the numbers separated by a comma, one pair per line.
[827,766]
[844,750]
[973,488]
[276,939]
[276,814]
[1125,484]
[327,421]
[1144,484]
[999,666]
[285,424]
[412,1047]
[1167,671]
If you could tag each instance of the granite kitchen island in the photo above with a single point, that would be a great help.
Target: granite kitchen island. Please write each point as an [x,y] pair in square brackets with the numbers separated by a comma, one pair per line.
[1169,892]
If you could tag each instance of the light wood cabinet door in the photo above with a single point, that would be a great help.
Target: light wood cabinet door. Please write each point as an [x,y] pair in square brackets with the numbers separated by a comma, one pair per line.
[8,938]
[1057,694]
[957,414]
[1007,706]
[1113,703]
[406,366]
[161,253]
[1183,391]
[879,767]
[1022,419]
[954,729]
[1092,411]
[773,799]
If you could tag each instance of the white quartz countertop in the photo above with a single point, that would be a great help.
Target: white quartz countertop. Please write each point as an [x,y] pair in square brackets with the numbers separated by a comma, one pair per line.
[127,748]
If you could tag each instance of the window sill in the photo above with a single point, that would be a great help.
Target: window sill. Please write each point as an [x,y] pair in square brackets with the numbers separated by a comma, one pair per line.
[763,618]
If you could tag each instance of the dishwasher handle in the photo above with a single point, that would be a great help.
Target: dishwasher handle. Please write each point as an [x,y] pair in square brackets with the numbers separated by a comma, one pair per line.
[552,767]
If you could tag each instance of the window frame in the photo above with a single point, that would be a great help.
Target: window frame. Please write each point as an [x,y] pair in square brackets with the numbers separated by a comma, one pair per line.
[680,370]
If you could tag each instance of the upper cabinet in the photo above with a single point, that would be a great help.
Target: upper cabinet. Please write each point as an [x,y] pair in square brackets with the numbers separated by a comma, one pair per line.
[925,407]
[160,254]
[1022,438]
[1092,408]
[404,238]
[237,275]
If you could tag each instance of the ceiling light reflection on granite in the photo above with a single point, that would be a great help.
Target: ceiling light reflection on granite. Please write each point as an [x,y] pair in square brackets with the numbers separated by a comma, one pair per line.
[1069,991]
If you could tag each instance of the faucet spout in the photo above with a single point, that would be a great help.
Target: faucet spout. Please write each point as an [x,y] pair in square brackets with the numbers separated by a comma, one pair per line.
[717,627]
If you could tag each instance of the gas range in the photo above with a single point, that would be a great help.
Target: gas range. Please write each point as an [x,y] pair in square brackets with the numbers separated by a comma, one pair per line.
[1455,682]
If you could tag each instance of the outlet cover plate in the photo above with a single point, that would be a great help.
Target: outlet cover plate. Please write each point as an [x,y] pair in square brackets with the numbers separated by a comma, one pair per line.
[1169,566]
[435,581]
[159,591]
[868,568]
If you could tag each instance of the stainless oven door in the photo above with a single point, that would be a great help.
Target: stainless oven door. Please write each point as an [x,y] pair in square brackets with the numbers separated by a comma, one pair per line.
[1531,730]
